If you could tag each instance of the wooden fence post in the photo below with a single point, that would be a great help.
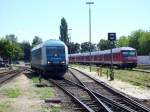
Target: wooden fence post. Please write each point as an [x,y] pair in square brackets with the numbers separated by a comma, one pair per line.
[98,71]
[101,71]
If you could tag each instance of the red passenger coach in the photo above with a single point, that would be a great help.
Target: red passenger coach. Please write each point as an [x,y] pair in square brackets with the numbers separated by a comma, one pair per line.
[123,57]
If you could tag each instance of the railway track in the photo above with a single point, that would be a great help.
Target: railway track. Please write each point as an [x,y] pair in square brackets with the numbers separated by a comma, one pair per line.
[138,69]
[104,92]
[5,72]
[7,75]
[141,70]
[87,101]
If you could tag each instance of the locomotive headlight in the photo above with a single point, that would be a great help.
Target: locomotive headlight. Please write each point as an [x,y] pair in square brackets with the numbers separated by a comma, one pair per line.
[62,62]
[49,62]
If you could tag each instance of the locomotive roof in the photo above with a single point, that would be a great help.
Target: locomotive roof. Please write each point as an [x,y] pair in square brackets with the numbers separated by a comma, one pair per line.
[50,42]
[115,50]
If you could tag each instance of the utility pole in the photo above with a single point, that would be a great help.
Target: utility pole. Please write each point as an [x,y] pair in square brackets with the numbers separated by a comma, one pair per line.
[89,3]
[69,40]
[69,34]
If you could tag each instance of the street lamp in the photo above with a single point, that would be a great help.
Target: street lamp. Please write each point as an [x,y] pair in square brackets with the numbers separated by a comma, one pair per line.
[89,3]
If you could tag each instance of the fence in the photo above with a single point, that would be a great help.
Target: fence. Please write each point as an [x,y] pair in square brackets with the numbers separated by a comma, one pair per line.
[144,60]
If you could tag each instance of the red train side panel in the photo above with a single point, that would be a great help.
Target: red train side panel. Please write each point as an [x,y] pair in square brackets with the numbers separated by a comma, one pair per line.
[122,57]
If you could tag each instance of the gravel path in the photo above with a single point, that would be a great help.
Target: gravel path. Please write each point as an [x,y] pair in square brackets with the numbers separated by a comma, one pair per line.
[27,101]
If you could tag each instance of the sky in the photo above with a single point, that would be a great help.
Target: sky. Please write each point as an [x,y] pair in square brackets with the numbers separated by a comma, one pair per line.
[29,18]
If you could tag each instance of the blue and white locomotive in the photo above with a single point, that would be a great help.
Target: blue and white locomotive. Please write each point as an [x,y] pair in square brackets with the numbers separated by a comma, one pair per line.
[50,56]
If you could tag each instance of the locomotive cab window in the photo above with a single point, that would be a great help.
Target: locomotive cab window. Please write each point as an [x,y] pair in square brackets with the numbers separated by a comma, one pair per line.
[129,53]
[52,50]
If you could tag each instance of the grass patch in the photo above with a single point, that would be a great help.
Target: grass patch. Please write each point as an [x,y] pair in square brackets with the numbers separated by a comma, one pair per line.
[55,109]
[12,92]
[52,108]
[5,107]
[45,92]
[133,77]
[35,79]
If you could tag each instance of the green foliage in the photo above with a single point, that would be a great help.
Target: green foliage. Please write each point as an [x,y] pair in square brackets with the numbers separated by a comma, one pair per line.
[6,47]
[73,48]
[55,109]
[123,41]
[35,79]
[26,49]
[12,93]
[37,40]
[64,31]
[85,47]
[144,43]
[104,45]
[133,77]
[18,51]
[134,39]
[12,38]
[10,49]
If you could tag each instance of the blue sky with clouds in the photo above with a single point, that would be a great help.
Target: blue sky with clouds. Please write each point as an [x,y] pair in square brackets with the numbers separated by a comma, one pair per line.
[27,18]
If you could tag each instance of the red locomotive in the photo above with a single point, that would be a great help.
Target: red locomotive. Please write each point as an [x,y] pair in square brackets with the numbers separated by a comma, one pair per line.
[123,57]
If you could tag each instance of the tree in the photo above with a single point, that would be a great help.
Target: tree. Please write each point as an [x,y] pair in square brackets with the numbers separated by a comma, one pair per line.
[144,43]
[103,44]
[85,47]
[134,39]
[73,48]
[18,53]
[37,40]
[12,38]
[64,32]
[123,41]
[10,50]
[6,49]
[27,50]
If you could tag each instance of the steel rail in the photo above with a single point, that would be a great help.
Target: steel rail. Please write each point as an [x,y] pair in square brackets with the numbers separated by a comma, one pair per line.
[134,69]
[105,99]
[128,100]
[5,72]
[10,75]
[71,95]
[29,69]
[140,70]
[101,104]
[92,94]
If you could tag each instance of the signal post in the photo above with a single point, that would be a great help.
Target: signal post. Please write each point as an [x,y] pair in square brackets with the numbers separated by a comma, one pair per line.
[111,38]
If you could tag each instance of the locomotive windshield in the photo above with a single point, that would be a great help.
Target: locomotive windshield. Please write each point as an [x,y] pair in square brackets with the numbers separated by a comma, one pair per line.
[129,53]
[58,50]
